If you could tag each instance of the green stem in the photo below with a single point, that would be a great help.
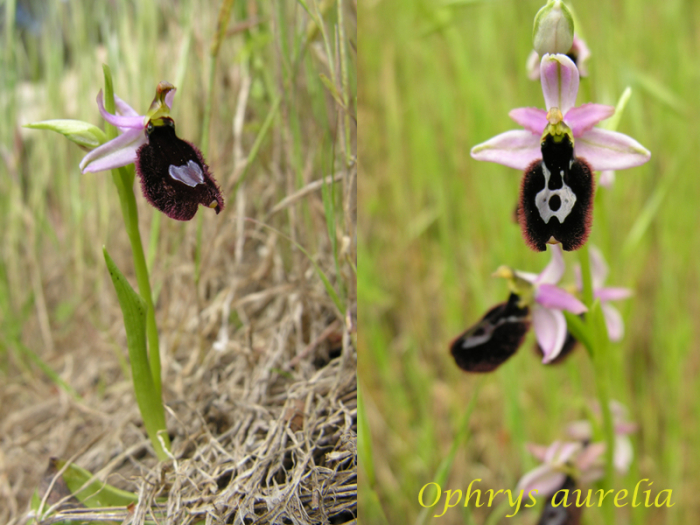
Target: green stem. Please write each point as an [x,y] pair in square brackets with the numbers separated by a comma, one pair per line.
[586,276]
[598,332]
[601,360]
[124,180]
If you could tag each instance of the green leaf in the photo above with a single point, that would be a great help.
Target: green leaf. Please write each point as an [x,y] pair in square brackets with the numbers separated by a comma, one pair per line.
[613,122]
[96,493]
[82,133]
[134,311]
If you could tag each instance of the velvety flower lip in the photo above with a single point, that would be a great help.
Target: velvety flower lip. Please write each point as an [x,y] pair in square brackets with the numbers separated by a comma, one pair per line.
[493,339]
[174,177]
[602,149]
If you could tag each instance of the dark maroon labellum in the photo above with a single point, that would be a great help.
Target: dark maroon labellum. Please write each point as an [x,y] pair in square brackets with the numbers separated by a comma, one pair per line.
[174,177]
[556,197]
[495,338]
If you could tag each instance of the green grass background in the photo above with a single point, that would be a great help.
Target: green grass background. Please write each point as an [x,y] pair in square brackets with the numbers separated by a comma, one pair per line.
[438,78]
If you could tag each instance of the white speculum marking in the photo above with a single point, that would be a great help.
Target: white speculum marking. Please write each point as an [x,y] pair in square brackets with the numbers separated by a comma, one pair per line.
[476,340]
[568,198]
[190,173]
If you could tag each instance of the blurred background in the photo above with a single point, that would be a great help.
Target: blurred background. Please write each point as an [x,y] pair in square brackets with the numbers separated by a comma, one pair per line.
[256,322]
[437,79]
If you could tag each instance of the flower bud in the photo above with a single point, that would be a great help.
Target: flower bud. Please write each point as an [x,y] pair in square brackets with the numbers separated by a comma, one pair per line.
[84,134]
[553,31]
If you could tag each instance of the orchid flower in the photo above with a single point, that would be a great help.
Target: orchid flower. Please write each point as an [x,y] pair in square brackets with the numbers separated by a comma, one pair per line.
[535,299]
[548,302]
[562,460]
[579,54]
[565,465]
[602,149]
[174,176]
[599,273]
[623,452]
[558,151]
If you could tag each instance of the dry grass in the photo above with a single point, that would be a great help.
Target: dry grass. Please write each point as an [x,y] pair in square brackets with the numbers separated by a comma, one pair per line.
[257,433]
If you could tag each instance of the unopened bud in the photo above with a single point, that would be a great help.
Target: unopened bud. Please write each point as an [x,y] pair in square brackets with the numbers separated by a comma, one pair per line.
[553,31]
[84,134]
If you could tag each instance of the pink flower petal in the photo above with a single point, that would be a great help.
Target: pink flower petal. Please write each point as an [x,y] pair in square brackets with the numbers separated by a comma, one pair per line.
[582,118]
[551,296]
[613,322]
[532,119]
[169,96]
[566,451]
[625,428]
[555,269]
[590,455]
[116,153]
[622,454]
[527,276]
[559,78]
[613,294]
[610,150]
[538,451]
[515,149]
[533,65]
[581,430]
[123,108]
[132,122]
[543,479]
[551,453]
[607,178]
[550,330]
[599,268]
[583,54]
[592,475]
